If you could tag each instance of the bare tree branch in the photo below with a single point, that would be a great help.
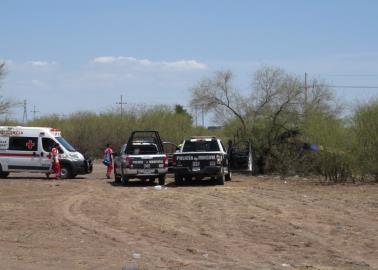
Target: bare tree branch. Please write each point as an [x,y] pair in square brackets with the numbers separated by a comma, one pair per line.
[217,93]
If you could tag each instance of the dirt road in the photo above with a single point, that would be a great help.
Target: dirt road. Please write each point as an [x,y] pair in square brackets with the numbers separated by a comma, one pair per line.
[250,223]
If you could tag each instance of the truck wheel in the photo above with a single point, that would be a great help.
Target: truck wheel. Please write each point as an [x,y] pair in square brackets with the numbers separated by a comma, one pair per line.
[220,179]
[124,179]
[228,177]
[178,180]
[162,180]
[65,172]
[4,174]
[117,178]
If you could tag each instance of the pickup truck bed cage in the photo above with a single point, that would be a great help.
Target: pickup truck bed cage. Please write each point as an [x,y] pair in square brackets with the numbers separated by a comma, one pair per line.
[147,136]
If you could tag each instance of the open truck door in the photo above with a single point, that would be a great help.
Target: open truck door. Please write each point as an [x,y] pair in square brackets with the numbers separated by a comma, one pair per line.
[240,156]
[169,149]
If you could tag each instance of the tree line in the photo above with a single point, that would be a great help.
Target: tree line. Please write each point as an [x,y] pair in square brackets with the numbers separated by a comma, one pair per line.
[294,127]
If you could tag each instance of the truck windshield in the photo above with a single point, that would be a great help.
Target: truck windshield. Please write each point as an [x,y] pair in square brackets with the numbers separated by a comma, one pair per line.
[200,146]
[65,144]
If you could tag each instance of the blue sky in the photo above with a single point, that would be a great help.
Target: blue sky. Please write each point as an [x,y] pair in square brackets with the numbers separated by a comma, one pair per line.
[65,56]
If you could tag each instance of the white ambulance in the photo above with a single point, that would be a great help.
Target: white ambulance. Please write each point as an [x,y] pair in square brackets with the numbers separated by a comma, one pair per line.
[27,149]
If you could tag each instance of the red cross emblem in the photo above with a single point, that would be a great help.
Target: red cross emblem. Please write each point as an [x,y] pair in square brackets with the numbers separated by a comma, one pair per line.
[30,144]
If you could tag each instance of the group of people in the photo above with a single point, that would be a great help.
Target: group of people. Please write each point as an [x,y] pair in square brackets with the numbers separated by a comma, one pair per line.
[55,163]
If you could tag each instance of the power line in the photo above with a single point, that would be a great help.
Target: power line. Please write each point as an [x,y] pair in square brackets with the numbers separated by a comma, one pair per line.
[351,86]
[346,75]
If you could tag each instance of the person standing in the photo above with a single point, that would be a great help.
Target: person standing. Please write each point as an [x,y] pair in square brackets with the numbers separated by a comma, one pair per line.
[55,164]
[108,159]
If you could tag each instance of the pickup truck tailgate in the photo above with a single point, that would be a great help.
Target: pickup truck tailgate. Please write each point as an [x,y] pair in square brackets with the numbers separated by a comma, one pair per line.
[147,162]
[196,161]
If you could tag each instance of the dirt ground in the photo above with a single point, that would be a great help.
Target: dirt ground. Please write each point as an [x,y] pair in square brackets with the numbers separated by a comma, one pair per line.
[250,223]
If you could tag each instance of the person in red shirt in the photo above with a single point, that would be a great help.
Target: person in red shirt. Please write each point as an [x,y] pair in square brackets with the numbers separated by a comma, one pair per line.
[108,159]
[55,164]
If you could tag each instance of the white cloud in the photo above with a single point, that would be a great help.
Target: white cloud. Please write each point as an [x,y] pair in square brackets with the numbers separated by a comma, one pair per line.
[174,65]
[104,59]
[39,63]
[185,65]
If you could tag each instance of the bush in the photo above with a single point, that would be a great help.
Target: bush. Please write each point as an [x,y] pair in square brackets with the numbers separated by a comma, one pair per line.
[89,132]
[365,127]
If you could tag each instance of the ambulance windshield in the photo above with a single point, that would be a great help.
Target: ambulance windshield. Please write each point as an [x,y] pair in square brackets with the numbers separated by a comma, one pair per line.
[65,144]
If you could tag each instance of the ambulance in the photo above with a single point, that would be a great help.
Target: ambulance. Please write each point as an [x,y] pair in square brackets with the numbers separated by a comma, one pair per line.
[26,149]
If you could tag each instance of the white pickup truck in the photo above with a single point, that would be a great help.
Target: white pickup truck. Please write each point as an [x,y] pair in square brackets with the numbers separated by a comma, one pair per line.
[142,158]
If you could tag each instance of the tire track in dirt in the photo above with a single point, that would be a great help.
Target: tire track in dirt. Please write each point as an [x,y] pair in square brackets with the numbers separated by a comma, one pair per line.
[150,220]
[69,210]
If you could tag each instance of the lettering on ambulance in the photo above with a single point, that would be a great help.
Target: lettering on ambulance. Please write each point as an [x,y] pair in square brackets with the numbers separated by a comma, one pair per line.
[4,143]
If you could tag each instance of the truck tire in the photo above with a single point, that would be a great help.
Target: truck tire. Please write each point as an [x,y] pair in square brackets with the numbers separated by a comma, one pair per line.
[4,174]
[178,180]
[220,179]
[65,172]
[117,178]
[228,176]
[162,180]
[124,179]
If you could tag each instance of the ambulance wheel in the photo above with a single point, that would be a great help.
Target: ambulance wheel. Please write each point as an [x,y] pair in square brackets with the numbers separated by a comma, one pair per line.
[162,180]
[4,174]
[65,172]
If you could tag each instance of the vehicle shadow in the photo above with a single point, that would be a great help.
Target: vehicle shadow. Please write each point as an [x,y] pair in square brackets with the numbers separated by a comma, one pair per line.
[132,183]
[193,183]
[27,178]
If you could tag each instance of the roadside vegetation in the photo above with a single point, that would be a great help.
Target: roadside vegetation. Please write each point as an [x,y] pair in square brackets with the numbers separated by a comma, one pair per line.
[295,127]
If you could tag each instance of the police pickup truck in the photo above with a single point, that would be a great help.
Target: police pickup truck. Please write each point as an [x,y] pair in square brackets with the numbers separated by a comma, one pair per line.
[142,157]
[201,157]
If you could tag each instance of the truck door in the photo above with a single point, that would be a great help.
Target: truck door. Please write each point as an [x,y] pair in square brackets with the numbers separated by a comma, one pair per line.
[169,150]
[240,156]
[23,154]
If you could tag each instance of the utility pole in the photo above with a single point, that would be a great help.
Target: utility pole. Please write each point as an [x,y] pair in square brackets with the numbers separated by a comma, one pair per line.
[34,111]
[196,113]
[25,115]
[203,117]
[121,103]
